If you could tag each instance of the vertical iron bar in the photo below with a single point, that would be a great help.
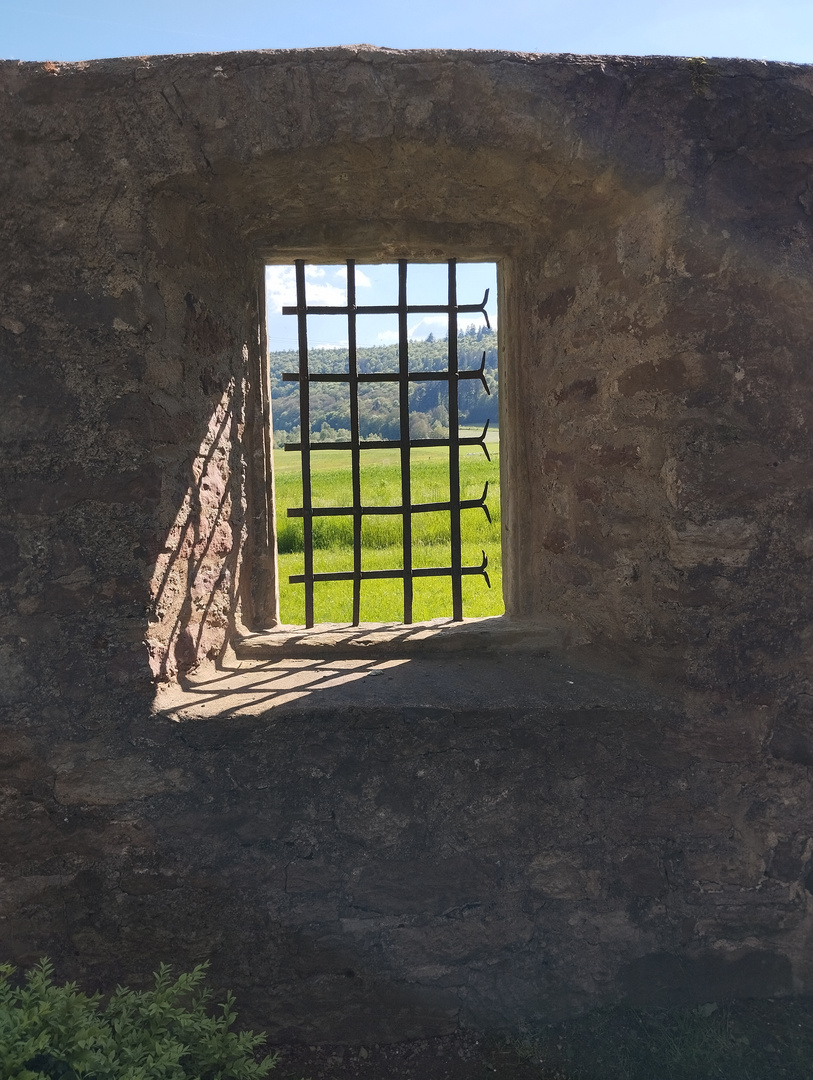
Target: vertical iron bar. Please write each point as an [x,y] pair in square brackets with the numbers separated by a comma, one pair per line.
[305,437]
[355,456]
[403,405]
[454,451]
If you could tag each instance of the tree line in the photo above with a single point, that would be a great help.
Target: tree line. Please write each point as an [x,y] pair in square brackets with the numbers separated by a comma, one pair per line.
[379,416]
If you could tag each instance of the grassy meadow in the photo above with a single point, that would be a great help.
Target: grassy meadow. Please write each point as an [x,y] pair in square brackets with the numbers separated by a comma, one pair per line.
[382,601]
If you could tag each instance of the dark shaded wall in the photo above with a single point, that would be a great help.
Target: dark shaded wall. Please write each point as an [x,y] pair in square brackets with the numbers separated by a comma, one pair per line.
[653,221]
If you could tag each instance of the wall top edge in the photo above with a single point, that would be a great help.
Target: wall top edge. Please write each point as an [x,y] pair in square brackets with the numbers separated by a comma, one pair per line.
[374,53]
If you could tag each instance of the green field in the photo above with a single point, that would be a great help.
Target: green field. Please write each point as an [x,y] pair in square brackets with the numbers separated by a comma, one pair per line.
[382,601]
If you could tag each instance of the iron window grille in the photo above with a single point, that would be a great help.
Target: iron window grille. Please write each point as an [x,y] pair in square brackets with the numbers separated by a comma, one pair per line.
[404,443]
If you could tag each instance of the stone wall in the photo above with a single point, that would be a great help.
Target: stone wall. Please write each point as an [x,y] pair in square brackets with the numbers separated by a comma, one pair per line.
[652,221]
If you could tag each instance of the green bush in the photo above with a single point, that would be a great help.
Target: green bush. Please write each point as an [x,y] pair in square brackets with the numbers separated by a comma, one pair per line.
[52,1032]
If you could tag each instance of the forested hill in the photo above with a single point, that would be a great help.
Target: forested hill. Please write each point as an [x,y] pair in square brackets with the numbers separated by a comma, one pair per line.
[378,402]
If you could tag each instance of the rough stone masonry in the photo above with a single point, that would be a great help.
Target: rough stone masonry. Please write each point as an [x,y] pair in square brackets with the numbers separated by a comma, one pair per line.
[498,837]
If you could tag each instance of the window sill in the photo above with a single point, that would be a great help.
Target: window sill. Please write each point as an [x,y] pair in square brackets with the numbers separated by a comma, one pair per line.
[499,634]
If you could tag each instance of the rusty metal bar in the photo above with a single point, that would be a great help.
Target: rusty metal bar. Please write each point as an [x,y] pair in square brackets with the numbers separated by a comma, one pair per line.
[355,457]
[389,309]
[454,452]
[304,435]
[418,571]
[378,444]
[415,508]
[387,376]
[403,409]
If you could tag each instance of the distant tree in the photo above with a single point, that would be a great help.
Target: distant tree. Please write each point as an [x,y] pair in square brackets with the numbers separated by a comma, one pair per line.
[419,426]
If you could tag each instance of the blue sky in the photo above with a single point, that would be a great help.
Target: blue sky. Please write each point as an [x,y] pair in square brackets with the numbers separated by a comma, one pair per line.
[89,29]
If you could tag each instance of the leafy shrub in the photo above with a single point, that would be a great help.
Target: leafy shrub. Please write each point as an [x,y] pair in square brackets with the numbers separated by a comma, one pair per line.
[52,1032]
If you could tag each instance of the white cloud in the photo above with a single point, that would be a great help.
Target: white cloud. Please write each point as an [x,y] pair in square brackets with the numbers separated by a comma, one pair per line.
[280,287]
[326,295]
[280,282]
[340,274]
[388,337]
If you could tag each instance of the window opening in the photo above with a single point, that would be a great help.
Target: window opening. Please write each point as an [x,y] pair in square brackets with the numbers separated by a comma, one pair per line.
[405,377]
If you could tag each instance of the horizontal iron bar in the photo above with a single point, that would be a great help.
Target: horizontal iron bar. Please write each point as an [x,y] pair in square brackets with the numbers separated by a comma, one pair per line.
[415,508]
[377,575]
[388,309]
[393,376]
[383,376]
[389,444]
